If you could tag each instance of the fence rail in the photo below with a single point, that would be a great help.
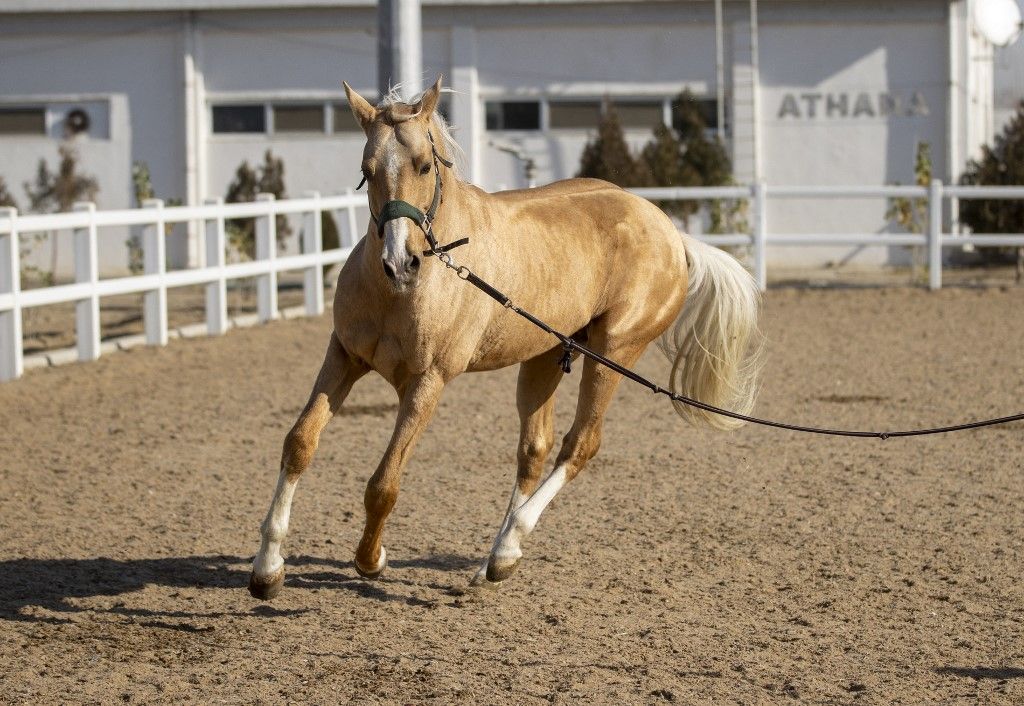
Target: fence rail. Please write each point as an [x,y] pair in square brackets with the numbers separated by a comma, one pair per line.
[215,272]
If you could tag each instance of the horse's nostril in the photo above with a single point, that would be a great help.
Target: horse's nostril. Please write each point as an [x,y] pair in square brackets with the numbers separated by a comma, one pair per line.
[414,264]
[388,269]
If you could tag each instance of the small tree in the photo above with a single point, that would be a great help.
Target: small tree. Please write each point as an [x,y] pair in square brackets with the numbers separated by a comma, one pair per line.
[662,158]
[912,214]
[703,157]
[608,156]
[268,178]
[142,184]
[329,235]
[6,198]
[58,192]
[688,157]
[1001,164]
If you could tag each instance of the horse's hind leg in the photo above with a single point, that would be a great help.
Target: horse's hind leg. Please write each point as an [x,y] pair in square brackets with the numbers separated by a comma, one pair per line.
[535,399]
[579,446]
[337,375]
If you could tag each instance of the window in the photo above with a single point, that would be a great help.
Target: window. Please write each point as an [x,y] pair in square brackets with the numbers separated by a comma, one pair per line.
[574,114]
[299,118]
[646,115]
[22,121]
[344,121]
[239,118]
[708,109]
[513,115]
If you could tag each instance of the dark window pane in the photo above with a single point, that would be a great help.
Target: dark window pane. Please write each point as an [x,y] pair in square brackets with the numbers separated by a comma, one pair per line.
[298,118]
[643,115]
[574,114]
[22,121]
[708,109]
[239,118]
[513,115]
[344,121]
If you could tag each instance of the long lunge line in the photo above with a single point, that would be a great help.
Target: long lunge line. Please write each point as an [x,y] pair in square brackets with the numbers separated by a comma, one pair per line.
[569,344]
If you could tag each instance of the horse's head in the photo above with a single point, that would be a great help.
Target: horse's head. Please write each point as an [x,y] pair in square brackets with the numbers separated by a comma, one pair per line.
[399,166]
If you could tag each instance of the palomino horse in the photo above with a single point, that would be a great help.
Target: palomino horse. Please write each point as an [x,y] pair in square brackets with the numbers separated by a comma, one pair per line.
[583,255]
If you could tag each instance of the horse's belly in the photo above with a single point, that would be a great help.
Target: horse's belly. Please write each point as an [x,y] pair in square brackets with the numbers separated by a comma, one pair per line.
[514,340]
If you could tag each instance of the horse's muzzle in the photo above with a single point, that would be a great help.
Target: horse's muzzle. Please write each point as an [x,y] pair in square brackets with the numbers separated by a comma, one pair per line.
[403,272]
[400,265]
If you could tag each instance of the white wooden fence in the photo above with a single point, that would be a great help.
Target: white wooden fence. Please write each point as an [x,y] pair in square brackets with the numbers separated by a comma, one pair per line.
[87,289]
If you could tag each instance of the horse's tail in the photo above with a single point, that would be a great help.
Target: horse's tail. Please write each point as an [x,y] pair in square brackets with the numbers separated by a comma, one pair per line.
[714,345]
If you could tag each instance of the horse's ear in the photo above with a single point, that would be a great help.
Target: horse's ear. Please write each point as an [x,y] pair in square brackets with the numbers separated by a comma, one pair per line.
[429,100]
[361,108]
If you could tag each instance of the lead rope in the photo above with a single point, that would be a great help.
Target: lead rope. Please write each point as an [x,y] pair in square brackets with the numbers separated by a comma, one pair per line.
[569,345]
[441,252]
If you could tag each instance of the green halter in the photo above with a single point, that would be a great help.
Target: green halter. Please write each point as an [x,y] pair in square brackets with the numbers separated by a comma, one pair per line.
[397,208]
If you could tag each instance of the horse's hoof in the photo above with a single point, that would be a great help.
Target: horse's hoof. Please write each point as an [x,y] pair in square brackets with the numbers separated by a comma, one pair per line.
[479,580]
[266,587]
[498,572]
[382,564]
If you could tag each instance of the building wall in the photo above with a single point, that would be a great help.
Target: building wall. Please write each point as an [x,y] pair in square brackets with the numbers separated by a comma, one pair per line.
[848,104]
[1009,82]
[125,69]
[859,57]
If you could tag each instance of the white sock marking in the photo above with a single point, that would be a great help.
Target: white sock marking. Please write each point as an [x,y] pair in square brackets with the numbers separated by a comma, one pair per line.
[274,528]
[522,520]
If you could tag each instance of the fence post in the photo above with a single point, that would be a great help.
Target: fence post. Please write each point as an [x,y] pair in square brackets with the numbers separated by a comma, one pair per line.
[935,234]
[312,242]
[759,193]
[353,238]
[11,355]
[154,260]
[87,311]
[266,249]
[217,291]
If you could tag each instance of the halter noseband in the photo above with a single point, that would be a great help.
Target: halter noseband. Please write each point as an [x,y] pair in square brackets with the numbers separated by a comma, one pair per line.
[397,208]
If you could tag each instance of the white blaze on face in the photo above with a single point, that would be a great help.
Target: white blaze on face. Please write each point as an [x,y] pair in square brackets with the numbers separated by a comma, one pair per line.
[396,233]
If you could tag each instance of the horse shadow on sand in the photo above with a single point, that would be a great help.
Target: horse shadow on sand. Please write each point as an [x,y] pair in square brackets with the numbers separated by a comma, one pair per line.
[40,590]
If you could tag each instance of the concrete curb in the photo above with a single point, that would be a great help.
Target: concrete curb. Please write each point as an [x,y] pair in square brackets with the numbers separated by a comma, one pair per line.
[64,356]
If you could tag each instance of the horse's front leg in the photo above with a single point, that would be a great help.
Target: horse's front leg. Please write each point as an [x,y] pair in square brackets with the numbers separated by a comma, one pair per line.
[418,399]
[337,375]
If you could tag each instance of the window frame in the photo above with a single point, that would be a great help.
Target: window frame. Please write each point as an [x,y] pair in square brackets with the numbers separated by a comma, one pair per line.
[545,102]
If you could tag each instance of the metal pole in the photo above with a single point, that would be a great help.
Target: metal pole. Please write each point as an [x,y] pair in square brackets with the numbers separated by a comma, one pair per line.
[720,67]
[755,70]
[399,47]
[760,198]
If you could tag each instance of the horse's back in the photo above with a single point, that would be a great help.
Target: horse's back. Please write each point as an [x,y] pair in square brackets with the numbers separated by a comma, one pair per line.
[595,213]
[582,249]
[556,188]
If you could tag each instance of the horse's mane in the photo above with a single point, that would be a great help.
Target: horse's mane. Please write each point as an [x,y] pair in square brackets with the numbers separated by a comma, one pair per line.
[440,128]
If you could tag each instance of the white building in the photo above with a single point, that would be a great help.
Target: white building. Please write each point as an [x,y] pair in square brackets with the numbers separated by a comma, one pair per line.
[838,91]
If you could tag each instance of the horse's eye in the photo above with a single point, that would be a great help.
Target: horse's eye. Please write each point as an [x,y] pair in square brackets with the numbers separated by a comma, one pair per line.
[425,169]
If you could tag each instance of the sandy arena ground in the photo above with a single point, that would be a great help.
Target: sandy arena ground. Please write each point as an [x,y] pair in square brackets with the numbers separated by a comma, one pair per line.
[757,566]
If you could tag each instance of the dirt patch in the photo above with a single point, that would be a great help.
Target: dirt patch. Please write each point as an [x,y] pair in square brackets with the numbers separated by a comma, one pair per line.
[683,566]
